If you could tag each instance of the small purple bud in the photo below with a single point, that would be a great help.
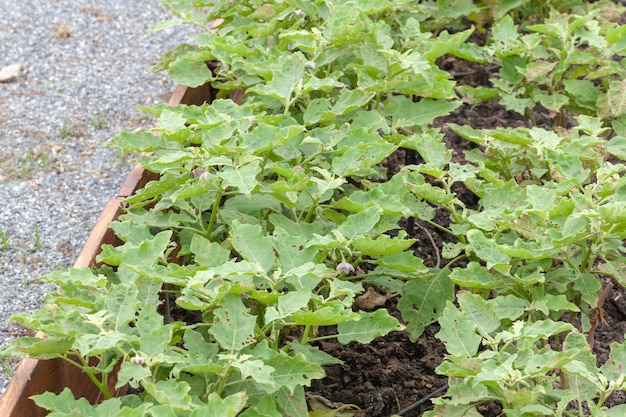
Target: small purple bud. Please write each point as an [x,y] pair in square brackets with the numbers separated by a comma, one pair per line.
[299,12]
[310,64]
[137,360]
[345,268]
[196,172]
[205,175]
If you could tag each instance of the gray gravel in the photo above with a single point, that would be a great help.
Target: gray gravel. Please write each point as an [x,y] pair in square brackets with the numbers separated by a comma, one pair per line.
[84,67]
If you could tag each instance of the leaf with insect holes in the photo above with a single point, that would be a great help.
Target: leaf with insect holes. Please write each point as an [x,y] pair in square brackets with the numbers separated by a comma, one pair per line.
[613,103]
[292,372]
[122,301]
[233,327]
[406,113]
[422,303]
[132,374]
[292,403]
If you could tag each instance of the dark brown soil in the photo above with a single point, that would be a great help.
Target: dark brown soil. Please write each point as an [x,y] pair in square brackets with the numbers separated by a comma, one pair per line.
[392,373]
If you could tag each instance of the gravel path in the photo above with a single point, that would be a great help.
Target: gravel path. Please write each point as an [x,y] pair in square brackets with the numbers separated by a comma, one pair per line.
[84,66]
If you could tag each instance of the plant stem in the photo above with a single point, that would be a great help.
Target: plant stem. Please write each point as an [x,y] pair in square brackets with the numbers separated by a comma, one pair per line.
[216,205]
[102,385]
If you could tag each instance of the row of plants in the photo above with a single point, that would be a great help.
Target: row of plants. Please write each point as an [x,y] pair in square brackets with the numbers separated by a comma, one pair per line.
[273,214]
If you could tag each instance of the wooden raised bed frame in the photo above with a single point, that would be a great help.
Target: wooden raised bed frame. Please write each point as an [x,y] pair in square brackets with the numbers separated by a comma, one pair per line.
[34,377]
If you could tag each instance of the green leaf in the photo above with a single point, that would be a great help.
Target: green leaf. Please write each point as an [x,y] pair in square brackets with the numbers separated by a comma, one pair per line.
[47,348]
[171,392]
[313,354]
[347,101]
[190,72]
[359,159]
[613,369]
[480,312]
[129,142]
[422,303]
[617,411]
[569,165]
[243,178]
[148,252]
[233,327]
[584,92]
[207,253]
[431,148]
[368,327]
[540,198]
[382,245]
[403,261]
[617,146]
[154,343]
[257,370]
[476,276]
[292,372]
[64,404]
[252,244]
[505,33]
[613,104]
[509,307]
[97,344]
[458,332]
[325,316]
[406,113]
[293,301]
[132,374]
[487,250]
[285,78]
[292,402]
[171,121]
[314,111]
[359,224]
[291,253]
[518,105]
[122,302]
[546,328]
[266,407]
[215,406]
